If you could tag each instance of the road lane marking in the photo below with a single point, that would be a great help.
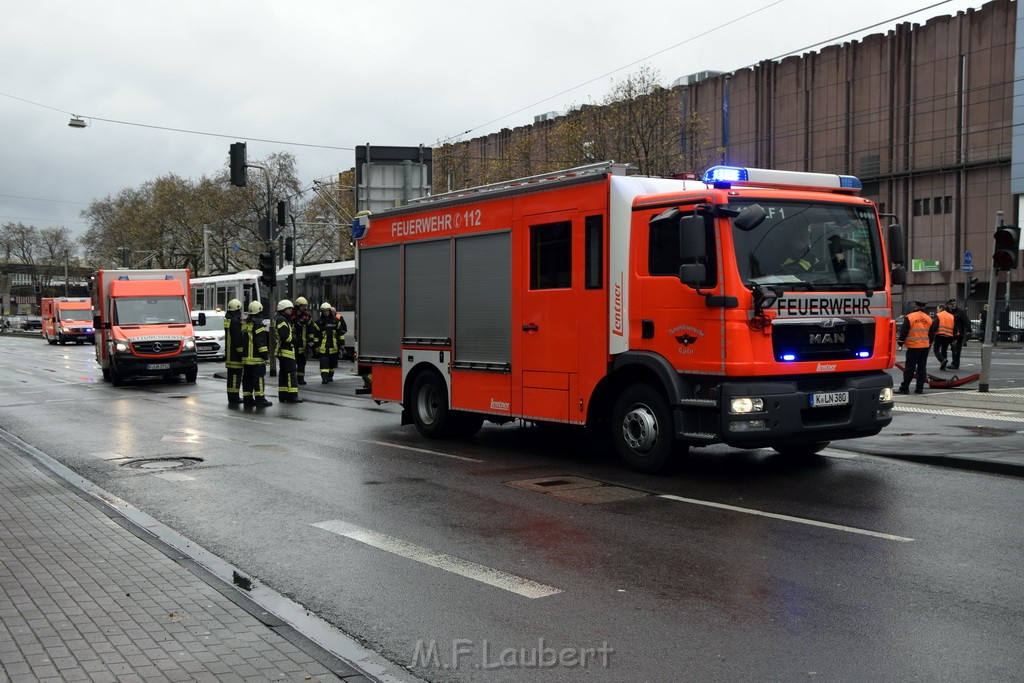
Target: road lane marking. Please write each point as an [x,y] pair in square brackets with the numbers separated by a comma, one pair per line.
[421,450]
[788,518]
[450,563]
[1002,416]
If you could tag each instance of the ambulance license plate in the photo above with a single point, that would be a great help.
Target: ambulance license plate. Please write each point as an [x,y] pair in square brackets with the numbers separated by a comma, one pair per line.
[158,366]
[826,399]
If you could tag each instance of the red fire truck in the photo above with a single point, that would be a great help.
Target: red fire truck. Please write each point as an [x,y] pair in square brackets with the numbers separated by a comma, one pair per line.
[750,308]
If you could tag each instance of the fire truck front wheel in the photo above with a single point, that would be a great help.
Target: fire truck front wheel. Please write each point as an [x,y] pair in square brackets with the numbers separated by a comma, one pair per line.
[430,405]
[642,429]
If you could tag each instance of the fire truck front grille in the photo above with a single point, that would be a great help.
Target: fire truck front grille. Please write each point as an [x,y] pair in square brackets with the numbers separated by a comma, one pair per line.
[156,348]
[823,341]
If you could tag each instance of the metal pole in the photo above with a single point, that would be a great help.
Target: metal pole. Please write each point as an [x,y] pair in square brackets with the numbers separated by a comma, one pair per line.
[986,346]
[66,257]
[206,250]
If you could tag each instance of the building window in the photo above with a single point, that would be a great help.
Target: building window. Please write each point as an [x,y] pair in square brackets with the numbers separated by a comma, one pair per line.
[947,204]
[937,205]
[917,207]
[925,207]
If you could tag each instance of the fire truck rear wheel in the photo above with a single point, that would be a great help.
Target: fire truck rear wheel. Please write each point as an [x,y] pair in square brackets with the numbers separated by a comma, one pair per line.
[430,406]
[642,429]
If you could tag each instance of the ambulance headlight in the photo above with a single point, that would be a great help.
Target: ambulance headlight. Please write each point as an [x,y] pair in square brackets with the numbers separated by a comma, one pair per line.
[120,347]
[885,395]
[742,406]
[189,344]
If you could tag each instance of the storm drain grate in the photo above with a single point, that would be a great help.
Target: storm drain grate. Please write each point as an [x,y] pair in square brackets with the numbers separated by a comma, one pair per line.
[577,489]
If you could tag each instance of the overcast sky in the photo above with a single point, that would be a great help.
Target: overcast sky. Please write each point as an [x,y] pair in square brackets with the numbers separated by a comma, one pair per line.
[333,74]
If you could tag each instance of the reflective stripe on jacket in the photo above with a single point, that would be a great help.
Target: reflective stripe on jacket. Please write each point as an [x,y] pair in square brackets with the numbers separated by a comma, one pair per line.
[285,338]
[254,343]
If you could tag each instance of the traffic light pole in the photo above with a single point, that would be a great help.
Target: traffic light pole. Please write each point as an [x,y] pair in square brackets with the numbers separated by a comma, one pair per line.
[986,345]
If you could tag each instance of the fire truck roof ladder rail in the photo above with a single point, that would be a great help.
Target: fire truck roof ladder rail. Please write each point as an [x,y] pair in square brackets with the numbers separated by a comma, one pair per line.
[590,169]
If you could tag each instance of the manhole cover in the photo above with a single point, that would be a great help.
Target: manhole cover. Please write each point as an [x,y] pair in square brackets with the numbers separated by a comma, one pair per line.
[156,464]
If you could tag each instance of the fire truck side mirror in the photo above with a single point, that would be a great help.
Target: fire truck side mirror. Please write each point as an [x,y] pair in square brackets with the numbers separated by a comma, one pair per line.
[692,240]
[895,236]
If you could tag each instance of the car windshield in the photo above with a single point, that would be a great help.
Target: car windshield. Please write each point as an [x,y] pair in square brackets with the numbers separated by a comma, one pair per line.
[160,310]
[79,314]
[816,246]
[214,323]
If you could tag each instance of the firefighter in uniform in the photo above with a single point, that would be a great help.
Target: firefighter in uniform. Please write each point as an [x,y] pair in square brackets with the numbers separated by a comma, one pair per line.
[233,350]
[916,334]
[342,329]
[943,336]
[961,330]
[255,354]
[326,333]
[301,322]
[287,372]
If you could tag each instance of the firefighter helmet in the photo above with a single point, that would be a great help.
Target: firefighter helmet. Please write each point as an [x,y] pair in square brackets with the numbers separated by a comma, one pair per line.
[283,304]
[255,307]
[325,306]
[234,305]
[301,301]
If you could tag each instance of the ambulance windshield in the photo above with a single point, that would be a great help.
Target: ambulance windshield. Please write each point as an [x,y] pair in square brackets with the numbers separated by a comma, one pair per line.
[158,310]
[811,246]
[78,314]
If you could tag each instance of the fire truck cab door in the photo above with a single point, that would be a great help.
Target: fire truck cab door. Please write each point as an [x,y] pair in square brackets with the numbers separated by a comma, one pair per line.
[552,260]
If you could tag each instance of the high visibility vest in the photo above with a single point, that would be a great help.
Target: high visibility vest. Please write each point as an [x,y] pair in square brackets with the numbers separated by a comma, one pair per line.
[233,340]
[945,324]
[917,336]
[254,342]
[285,338]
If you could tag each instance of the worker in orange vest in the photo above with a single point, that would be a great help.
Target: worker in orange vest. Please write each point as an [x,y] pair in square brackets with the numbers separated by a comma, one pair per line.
[916,334]
[943,335]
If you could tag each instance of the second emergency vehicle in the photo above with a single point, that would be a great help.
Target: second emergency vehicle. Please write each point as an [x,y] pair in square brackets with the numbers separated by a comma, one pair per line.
[751,308]
[67,319]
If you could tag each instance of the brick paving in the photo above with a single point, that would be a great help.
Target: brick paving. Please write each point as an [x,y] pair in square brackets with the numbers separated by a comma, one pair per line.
[84,599]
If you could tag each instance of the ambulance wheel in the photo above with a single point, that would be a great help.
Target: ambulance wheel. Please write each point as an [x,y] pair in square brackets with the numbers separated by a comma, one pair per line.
[801,450]
[106,374]
[115,378]
[190,375]
[51,342]
[430,406]
[642,429]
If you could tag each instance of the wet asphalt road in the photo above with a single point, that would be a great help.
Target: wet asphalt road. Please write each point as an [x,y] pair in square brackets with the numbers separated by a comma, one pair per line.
[519,551]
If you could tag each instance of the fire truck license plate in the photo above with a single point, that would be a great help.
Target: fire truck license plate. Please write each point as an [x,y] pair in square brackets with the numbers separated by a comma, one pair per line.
[830,398]
[158,366]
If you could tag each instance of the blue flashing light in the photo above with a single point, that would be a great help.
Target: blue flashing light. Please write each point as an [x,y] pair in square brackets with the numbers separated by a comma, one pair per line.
[359,227]
[788,357]
[850,182]
[122,277]
[725,174]
[863,354]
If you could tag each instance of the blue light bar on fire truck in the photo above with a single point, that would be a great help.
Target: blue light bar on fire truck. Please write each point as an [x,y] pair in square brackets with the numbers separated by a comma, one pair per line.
[728,176]
[360,224]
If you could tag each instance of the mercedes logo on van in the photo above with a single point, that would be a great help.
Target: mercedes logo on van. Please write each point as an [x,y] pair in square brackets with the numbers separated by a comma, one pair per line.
[157,347]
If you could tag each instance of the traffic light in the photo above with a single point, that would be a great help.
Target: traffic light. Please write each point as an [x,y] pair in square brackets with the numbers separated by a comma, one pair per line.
[1007,248]
[289,250]
[268,268]
[282,213]
[972,285]
[37,287]
[237,157]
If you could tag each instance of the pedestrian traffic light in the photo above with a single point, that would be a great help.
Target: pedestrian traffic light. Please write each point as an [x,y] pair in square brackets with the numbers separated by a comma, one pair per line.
[1007,249]
[269,269]
[282,213]
[972,285]
[37,287]
[238,161]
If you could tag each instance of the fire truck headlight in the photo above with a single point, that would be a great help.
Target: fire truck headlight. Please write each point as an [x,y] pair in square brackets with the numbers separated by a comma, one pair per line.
[120,347]
[742,406]
[190,344]
[885,395]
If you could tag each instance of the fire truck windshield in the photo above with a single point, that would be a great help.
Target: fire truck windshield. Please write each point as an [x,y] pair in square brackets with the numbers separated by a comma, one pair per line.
[160,310]
[816,246]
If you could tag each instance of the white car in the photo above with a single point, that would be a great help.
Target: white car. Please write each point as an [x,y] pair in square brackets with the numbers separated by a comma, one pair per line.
[210,337]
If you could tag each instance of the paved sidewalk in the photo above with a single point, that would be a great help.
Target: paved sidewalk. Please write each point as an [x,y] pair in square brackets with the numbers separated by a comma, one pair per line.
[83,598]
